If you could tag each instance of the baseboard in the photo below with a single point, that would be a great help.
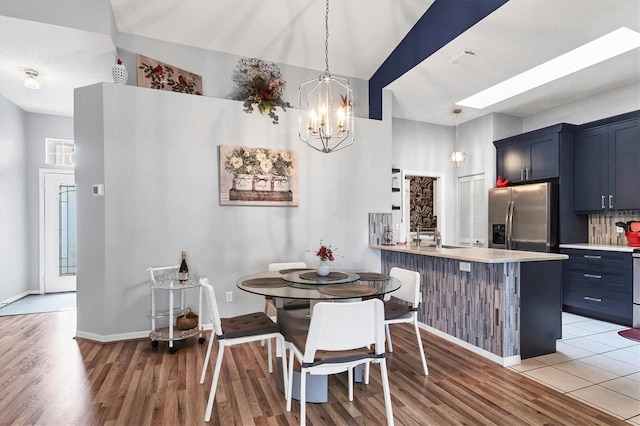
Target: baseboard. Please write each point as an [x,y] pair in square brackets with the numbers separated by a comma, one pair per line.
[18,297]
[121,336]
[505,362]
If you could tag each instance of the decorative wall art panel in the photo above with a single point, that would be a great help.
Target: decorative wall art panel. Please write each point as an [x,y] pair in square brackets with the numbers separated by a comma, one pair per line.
[258,176]
[154,74]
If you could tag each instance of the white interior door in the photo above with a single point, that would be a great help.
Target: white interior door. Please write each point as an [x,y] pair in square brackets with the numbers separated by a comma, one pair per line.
[59,232]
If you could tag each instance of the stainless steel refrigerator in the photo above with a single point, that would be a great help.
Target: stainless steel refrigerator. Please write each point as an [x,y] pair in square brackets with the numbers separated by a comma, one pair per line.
[524,217]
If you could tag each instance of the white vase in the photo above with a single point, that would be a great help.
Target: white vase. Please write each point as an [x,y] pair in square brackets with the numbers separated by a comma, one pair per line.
[242,182]
[120,74]
[262,183]
[324,268]
[280,183]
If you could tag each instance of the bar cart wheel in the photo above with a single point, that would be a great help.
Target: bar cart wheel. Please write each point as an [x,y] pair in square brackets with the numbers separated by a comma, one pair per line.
[154,343]
[201,340]
[172,349]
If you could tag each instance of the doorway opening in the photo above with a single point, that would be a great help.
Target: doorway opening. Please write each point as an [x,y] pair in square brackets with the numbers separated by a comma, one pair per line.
[422,205]
[57,231]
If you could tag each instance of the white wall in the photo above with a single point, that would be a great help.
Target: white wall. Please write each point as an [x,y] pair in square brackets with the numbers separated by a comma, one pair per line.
[608,104]
[160,170]
[14,242]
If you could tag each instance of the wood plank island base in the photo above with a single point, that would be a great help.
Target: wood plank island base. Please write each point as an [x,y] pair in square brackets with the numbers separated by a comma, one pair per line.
[505,305]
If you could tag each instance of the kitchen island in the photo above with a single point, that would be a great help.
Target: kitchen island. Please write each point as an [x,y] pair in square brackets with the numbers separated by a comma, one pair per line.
[503,304]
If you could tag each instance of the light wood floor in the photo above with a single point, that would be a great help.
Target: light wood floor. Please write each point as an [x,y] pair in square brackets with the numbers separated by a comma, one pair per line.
[49,378]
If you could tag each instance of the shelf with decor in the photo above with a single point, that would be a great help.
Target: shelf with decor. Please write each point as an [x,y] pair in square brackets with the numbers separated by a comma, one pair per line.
[395,186]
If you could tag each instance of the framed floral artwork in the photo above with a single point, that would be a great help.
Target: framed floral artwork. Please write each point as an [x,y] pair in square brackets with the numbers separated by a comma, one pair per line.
[258,176]
[154,74]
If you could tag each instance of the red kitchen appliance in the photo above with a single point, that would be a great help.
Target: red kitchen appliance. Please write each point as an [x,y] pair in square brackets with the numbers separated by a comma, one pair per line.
[633,239]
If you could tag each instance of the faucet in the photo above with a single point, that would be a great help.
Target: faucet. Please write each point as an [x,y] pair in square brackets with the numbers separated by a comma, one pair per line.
[417,239]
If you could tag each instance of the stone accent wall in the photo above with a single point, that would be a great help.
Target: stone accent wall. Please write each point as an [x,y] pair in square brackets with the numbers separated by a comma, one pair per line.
[479,307]
[602,227]
[377,224]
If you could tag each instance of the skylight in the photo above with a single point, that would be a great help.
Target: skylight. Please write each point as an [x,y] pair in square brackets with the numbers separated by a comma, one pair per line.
[606,47]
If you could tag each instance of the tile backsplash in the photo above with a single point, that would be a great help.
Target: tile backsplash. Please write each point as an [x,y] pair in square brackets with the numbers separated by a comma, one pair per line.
[602,227]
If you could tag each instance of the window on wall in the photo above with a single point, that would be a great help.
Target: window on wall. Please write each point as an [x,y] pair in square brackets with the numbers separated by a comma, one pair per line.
[59,152]
[472,228]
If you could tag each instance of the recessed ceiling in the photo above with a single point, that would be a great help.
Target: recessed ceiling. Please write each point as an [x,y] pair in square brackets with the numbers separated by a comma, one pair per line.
[362,34]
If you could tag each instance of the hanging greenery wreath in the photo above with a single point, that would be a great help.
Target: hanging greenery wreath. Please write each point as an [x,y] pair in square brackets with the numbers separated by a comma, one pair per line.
[259,85]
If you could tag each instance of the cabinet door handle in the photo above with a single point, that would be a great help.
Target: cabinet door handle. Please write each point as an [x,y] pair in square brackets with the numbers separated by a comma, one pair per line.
[521,174]
[603,202]
[593,276]
[593,299]
[528,173]
[610,201]
[591,256]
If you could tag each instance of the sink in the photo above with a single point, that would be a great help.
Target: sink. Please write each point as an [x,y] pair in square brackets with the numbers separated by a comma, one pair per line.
[444,246]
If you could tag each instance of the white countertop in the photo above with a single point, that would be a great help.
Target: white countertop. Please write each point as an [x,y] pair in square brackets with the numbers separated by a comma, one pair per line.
[476,254]
[585,246]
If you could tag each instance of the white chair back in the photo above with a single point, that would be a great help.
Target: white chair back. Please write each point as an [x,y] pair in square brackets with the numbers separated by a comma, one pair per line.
[212,307]
[286,265]
[155,271]
[410,289]
[344,326]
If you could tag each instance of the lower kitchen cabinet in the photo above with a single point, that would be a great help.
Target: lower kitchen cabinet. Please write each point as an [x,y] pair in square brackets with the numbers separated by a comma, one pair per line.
[598,284]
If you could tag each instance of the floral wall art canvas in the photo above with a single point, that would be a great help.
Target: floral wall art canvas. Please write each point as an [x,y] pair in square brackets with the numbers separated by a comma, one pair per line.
[154,74]
[258,176]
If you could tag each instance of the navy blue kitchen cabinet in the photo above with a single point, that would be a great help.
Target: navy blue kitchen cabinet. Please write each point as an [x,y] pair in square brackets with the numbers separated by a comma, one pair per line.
[607,165]
[533,156]
[598,284]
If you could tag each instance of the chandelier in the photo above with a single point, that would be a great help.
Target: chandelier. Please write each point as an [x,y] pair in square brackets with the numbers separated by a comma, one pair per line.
[328,99]
[457,156]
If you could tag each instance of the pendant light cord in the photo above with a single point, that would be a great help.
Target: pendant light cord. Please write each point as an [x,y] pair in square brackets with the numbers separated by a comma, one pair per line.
[457,112]
[326,39]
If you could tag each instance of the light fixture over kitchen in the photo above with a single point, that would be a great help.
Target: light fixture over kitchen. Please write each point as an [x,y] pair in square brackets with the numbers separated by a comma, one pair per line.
[328,101]
[457,156]
[31,79]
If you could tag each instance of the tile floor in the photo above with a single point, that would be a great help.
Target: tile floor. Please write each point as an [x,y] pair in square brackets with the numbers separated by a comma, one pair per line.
[593,364]
[36,303]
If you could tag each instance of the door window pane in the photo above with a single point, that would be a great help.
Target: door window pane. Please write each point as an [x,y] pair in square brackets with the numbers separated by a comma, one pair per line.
[67,226]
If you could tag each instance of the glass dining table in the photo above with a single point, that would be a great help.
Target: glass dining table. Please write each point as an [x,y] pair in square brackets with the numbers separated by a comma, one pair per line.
[288,285]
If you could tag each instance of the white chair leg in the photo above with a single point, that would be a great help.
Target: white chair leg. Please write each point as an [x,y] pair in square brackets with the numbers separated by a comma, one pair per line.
[366,373]
[350,384]
[262,343]
[285,378]
[303,396]
[214,383]
[269,356]
[387,393]
[389,344]
[424,361]
[290,380]
[206,358]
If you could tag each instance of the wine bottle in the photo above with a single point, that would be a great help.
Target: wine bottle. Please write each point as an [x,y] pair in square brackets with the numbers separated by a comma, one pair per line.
[184,269]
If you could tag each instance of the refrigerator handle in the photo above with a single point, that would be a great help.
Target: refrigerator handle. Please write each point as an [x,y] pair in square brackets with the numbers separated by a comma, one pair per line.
[509,221]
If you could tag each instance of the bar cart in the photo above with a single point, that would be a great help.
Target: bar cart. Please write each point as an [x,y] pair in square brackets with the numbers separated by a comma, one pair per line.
[163,323]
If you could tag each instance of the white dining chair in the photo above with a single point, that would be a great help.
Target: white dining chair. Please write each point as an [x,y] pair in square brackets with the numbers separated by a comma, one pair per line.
[340,337]
[397,313]
[234,331]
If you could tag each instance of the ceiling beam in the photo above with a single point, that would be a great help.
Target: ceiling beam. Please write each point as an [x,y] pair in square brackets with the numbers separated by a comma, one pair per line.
[442,22]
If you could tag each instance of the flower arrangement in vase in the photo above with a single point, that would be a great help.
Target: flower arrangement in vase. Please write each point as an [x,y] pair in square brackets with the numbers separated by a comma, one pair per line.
[325,253]
[260,85]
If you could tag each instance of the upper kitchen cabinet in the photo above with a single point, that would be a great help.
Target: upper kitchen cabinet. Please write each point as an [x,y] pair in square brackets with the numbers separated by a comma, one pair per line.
[607,164]
[532,156]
